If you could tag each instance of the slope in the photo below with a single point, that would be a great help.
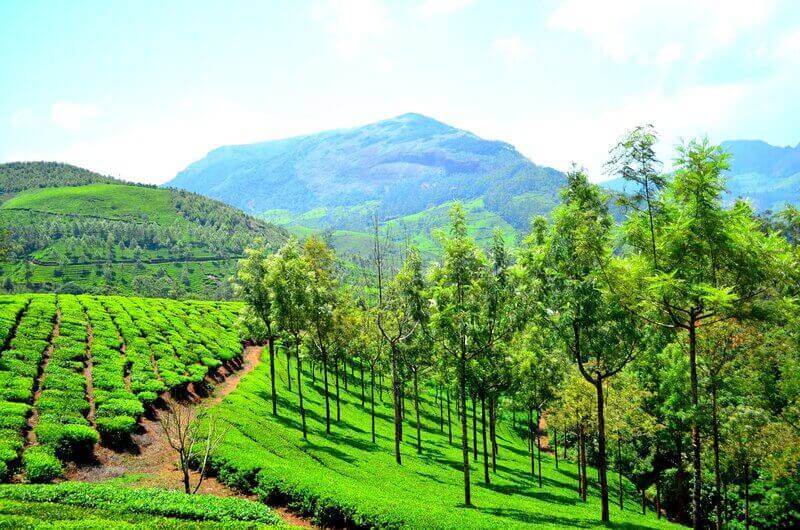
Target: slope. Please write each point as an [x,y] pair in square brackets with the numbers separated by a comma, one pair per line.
[126,239]
[343,477]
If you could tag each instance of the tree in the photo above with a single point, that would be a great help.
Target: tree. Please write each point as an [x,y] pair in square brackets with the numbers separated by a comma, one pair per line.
[289,280]
[181,426]
[252,286]
[323,293]
[457,296]
[700,263]
[600,335]
[402,311]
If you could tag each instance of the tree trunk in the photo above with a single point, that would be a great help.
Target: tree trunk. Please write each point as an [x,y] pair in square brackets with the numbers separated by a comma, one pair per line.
[584,479]
[380,386]
[555,445]
[619,472]
[185,469]
[288,369]
[462,384]
[398,422]
[313,373]
[717,474]
[361,367]
[441,410]
[658,495]
[474,430]
[601,451]
[578,460]
[271,346]
[372,398]
[300,388]
[449,421]
[697,515]
[539,443]
[485,446]
[416,411]
[530,442]
[338,406]
[565,443]
[747,495]
[344,373]
[493,432]
[327,397]
[644,502]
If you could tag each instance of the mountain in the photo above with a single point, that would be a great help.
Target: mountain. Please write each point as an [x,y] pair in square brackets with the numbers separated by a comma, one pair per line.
[397,167]
[74,230]
[766,175]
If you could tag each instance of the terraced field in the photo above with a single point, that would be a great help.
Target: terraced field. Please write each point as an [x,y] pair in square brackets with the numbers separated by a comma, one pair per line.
[78,370]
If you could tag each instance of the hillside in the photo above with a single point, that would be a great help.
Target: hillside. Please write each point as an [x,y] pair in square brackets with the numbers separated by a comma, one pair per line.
[404,166]
[766,175]
[128,239]
[19,176]
[343,477]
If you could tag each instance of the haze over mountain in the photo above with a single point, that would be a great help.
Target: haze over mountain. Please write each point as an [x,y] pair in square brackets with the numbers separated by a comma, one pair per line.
[396,167]
[766,175]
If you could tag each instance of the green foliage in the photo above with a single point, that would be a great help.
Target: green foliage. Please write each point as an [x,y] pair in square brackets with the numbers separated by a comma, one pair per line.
[150,501]
[41,464]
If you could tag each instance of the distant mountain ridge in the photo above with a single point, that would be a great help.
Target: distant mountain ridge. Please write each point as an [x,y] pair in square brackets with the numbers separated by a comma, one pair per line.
[395,167]
[766,175]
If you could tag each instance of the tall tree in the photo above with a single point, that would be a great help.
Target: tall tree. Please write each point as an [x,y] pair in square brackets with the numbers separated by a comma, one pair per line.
[709,263]
[457,298]
[289,279]
[252,287]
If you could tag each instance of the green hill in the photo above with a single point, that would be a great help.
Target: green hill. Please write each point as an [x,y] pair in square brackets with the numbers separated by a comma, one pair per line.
[120,238]
[19,176]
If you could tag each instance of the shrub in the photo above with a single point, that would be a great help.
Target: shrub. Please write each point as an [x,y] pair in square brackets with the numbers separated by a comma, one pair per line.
[116,430]
[41,464]
[68,441]
[121,407]
[4,473]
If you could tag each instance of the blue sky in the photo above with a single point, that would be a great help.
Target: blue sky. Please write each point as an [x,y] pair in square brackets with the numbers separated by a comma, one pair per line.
[141,89]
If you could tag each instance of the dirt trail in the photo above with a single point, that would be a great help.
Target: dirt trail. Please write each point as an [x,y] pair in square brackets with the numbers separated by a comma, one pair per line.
[153,457]
[88,366]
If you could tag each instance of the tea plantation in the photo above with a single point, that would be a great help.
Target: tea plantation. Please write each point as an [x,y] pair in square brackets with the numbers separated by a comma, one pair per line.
[97,506]
[75,370]
[343,478]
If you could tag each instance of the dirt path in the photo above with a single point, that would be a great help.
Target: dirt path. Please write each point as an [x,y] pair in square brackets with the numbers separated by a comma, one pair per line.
[88,366]
[155,460]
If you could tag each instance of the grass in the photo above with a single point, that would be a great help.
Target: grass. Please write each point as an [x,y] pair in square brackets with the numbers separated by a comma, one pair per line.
[344,476]
[90,506]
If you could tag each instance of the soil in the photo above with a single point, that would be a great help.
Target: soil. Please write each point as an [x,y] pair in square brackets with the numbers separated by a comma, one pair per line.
[152,462]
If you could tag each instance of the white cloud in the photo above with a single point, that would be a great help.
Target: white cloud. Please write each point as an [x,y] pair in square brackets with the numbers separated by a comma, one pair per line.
[72,116]
[787,47]
[512,48]
[669,53]
[561,136]
[432,8]
[154,148]
[353,24]
[635,30]
[22,119]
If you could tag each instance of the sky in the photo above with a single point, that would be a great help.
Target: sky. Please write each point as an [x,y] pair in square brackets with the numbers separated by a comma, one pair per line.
[139,90]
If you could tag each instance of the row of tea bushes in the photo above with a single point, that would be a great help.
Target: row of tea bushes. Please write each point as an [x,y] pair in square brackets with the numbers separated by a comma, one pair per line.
[63,404]
[117,409]
[19,365]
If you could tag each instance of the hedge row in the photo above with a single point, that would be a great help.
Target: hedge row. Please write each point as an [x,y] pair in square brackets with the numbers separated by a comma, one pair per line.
[63,404]
[18,370]
[117,409]
[145,384]
[150,501]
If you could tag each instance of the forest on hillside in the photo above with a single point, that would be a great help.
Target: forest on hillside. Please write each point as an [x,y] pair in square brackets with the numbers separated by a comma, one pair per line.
[663,349]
